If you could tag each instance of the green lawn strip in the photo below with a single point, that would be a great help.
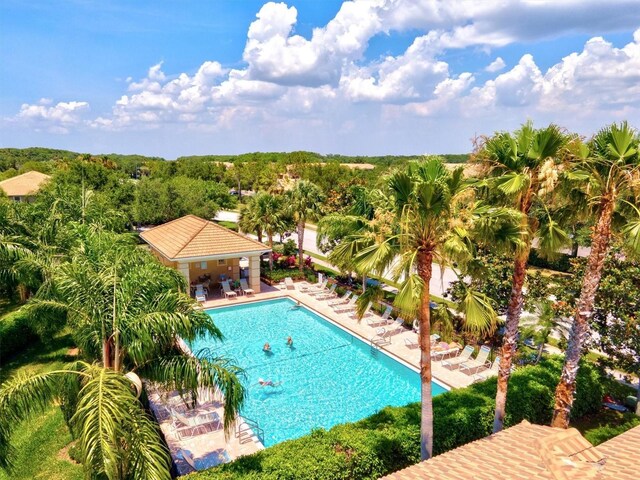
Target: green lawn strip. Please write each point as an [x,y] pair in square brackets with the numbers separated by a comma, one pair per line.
[606,424]
[39,441]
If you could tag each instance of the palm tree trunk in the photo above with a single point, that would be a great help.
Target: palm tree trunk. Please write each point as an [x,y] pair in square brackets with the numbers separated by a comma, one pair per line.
[301,245]
[270,237]
[580,328]
[425,259]
[638,395]
[514,310]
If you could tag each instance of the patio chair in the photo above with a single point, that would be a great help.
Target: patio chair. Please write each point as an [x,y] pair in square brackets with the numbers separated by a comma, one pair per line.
[411,343]
[464,356]
[191,426]
[442,349]
[385,318]
[306,286]
[200,297]
[382,337]
[226,288]
[479,361]
[343,299]
[288,283]
[366,313]
[210,460]
[490,372]
[321,289]
[416,326]
[331,293]
[348,307]
[398,325]
[244,288]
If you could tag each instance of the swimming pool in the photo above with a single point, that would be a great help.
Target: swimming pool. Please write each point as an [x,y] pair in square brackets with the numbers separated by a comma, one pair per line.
[328,377]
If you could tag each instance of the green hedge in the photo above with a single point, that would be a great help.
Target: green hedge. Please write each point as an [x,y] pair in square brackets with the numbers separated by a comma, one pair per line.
[390,439]
[15,334]
[561,263]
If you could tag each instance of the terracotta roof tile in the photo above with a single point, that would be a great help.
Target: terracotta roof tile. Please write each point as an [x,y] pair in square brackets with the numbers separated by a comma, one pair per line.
[532,452]
[23,185]
[192,236]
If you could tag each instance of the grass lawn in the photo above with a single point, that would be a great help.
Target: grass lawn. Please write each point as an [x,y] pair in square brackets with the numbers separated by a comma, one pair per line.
[40,440]
[604,425]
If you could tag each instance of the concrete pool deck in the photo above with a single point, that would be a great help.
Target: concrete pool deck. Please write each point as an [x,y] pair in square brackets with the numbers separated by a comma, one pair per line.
[211,444]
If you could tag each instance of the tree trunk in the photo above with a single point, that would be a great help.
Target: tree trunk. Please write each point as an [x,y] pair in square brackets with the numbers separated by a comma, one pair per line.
[259,234]
[638,396]
[270,237]
[425,259]
[364,283]
[580,329]
[574,249]
[301,245]
[106,353]
[514,310]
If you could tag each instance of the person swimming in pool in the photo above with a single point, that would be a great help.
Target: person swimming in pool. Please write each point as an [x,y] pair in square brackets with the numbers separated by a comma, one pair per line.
[289,341]
[268,383]
[266,348]
[296,306]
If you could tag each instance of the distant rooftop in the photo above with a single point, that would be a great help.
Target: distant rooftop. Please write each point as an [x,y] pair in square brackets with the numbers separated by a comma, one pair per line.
[533,452]
[24,185]
[194,237]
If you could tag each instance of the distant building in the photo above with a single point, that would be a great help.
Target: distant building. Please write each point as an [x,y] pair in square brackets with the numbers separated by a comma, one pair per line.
[22,188]
[533,452]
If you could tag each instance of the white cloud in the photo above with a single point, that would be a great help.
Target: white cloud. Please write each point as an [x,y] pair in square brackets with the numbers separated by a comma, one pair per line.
[495,66]
[56,118]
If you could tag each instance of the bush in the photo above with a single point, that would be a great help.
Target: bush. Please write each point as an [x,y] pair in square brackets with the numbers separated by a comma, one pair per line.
[289,248]
[390,439]
[561,263]
[15,334]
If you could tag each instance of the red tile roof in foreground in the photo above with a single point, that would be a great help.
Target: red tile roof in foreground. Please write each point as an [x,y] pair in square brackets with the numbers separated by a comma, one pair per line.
[531,452]
[195,237]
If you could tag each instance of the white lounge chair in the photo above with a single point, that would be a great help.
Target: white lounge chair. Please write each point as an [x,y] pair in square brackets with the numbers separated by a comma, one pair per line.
[245,288]
[479,361]
[411,343]
[490,372]
[321,289]
[182,424]
[439,353]
[208,462]
[226,288]
[288,283]
[328,294]
[384,319]
[366,313]
[416,326]
[398,325]
[348,307]
[464,356]
[200,297]
[342,300]
[382,337]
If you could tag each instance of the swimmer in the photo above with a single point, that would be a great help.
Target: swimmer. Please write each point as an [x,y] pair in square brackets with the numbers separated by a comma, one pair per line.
[296,306]
[289,341]
[266,348]
[265,383]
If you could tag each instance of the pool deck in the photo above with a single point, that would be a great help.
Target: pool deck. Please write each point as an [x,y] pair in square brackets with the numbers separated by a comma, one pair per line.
[208,447]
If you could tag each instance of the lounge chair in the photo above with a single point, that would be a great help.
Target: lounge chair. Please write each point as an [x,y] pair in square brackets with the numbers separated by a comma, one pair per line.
[342,300]
[200,297]
[321,289]
[244,288]
[210,460]
[288,283]
[398,325]
[226,288]
[442,349]
[348,307]
[366,313]
[192,425]
[490,372]
[416,326]
[384,319]
[464,356]
[479,361]
[411,343]
[382,337]
[331,293]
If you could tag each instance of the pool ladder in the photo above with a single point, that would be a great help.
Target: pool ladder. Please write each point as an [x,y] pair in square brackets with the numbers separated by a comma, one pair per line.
[247,428]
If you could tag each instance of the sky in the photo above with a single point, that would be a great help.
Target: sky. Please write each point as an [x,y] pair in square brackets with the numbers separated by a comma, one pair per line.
[356,77]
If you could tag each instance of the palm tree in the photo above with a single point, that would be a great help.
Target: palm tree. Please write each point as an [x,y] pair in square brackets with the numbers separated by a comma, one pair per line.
[304,203]
[432,217]
[608,172]
[126,312]
[522,169]
[266,212]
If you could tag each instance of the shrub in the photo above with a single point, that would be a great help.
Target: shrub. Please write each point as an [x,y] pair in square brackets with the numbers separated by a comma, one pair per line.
[390,439]
[15,334]
[560,263]
[289,248]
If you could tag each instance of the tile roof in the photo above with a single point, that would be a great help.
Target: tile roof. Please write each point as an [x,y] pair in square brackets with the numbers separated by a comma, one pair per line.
[526,451]
[22,185]
[192,236]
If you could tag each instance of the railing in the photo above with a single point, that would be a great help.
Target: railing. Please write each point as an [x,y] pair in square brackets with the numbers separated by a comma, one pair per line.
[247,428]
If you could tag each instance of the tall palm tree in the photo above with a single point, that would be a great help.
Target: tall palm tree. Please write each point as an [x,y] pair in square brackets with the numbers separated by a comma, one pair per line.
[126,312]
[521,170]
[608,172]
[304,203]
[433,218]
[266,212]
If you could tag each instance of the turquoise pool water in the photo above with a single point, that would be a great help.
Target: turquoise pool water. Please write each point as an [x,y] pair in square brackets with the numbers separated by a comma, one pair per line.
[328,377]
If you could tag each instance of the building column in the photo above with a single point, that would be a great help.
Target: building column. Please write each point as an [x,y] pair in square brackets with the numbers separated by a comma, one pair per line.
[183,268]
[254,273]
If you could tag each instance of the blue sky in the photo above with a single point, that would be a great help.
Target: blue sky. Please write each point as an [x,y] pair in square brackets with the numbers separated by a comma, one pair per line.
[356,77]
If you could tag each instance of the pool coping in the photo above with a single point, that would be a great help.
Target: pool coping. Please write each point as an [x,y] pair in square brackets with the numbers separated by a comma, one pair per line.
[347,330]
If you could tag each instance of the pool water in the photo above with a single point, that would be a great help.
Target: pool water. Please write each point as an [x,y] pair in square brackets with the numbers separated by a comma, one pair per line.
[328,377]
